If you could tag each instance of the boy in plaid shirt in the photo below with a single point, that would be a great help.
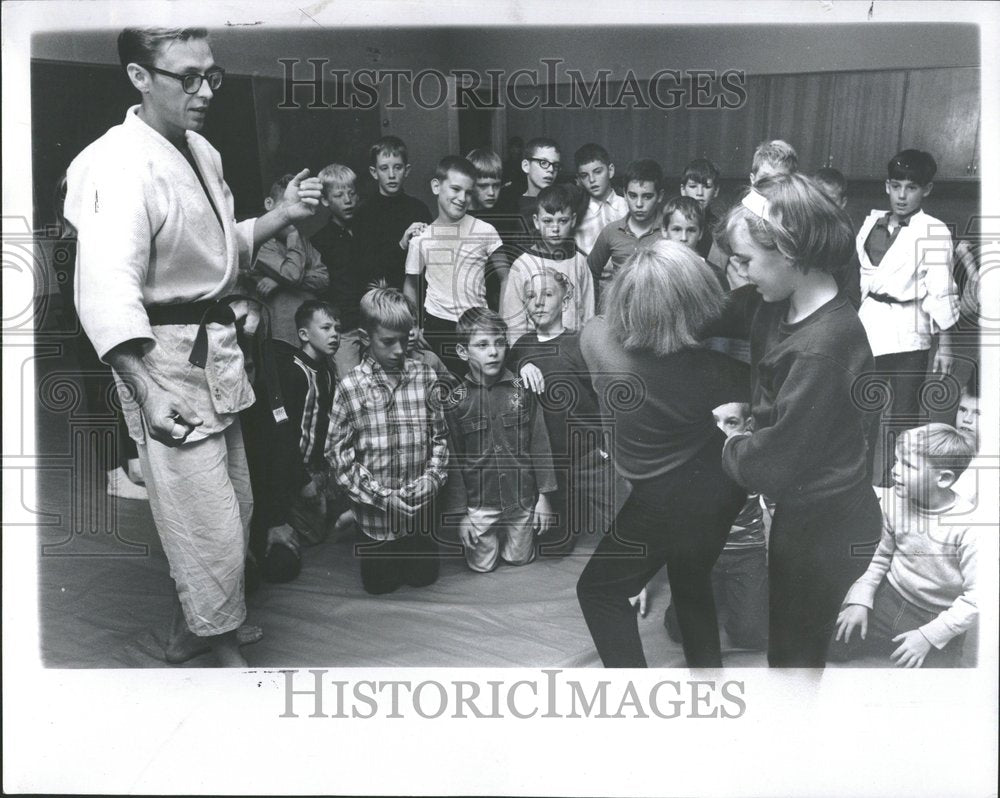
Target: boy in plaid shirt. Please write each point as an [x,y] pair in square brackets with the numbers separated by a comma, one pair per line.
[388,446]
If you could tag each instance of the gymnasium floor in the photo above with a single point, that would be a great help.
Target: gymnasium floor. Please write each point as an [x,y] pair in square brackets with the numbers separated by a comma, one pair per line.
[105,592]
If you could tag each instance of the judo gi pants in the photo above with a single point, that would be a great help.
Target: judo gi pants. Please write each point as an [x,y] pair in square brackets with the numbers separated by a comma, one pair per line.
[201,501]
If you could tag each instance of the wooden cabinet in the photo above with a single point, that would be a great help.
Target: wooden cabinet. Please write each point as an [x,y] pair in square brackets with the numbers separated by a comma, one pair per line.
[728,136]
[942,117]
[867,112]
[800,110]
[853,121]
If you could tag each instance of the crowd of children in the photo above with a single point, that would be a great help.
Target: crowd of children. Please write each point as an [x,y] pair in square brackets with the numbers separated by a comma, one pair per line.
[455,379]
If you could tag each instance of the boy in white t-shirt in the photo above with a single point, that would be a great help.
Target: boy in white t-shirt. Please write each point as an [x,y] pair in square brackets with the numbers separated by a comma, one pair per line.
[454,253]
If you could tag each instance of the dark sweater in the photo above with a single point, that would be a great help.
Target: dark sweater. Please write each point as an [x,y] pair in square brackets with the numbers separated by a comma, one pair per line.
[379,224]
[661,405]
[342,255]
[569,400]
[810,427]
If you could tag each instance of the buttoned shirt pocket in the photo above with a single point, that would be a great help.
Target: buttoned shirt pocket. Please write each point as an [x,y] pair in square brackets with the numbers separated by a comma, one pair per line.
[476,434]
[517,431]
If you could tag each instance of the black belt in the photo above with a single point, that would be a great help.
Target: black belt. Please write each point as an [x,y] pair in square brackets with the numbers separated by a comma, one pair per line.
[219,311]
[885,298]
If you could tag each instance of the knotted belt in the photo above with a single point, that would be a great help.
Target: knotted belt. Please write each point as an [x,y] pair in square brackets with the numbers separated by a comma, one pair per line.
[885,298]
[219,311]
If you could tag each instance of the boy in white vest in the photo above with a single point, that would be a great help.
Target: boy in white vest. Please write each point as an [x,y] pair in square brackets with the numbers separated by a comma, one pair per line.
[908,295]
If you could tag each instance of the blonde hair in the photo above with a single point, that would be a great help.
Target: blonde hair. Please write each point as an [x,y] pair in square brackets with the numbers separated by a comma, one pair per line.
[386,307]
[336,176]
[941,445]
[802,223]
[549,273]
[776,153]
[662,298]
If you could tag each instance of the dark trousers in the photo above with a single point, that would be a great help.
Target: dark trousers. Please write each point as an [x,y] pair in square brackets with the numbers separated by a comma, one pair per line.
[892,615]
[739,584]
[905,373]
[440,335]
[681,521]
[389,564]
[817,552]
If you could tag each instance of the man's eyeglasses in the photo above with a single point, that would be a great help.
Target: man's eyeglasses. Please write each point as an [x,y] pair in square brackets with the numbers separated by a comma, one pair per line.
[191,82]
[546,164]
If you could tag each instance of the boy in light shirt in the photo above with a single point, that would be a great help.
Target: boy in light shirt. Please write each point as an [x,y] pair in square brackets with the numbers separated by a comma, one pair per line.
[554,248]
[918,598]
[594,172]
[453,256]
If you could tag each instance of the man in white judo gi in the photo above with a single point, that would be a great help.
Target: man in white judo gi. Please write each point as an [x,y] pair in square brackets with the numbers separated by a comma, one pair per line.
[158,249]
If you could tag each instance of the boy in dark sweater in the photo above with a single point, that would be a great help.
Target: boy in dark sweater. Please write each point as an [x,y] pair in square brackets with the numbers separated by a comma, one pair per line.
[385,223]
[550,363]
[307,384]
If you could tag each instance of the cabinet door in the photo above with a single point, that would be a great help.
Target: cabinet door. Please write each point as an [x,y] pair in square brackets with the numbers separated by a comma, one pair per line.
[941,116]
[867,111]
[800,111]
[728,136]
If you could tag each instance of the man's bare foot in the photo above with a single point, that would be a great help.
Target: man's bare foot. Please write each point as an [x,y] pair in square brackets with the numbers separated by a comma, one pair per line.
[188,646]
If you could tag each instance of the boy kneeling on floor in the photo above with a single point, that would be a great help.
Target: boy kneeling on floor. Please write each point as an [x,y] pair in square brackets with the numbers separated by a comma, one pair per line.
[388,446]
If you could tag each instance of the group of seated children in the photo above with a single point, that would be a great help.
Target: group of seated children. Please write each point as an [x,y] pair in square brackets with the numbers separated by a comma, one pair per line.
[468,407]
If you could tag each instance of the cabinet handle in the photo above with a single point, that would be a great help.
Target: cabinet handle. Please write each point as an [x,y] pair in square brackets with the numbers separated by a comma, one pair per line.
[968,168]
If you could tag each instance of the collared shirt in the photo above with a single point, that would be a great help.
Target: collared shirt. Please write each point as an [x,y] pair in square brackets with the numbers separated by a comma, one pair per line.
[880,238]
[499,443]
[600,213]
[615,245]
[386,432]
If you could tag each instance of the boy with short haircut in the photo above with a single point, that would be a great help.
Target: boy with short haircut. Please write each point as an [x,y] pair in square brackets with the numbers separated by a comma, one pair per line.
[594,172]
[908,293]
[682,220]
[833,183]
[287,270]
[639,227]
[553,249]
[772,158]
[501,446]
[344,256]
[918,597]
[307,384]
[491,202]
[453,254]
[967,422]
[739,577]
[386,221]
[700,181]
[540,165]
[550,363]
[388,447]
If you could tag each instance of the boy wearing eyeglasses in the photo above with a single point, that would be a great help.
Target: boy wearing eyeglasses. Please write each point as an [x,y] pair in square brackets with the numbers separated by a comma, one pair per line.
[540,165]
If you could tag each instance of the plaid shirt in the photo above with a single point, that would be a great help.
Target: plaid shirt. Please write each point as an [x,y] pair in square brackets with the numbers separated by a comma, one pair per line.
[384,437]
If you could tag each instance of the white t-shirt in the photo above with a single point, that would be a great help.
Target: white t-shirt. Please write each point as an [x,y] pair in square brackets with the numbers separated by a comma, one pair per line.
[453,256]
